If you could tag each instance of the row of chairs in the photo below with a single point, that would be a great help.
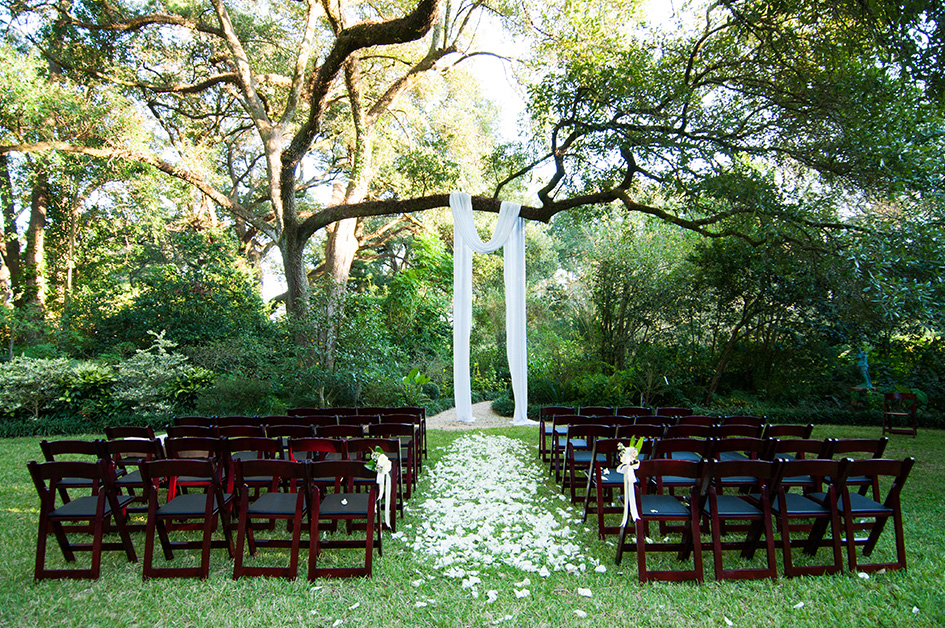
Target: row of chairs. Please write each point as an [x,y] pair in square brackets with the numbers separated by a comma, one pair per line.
[841,497]
[574,432]
[603,453]
[409,433]
[125,477]
[319,417]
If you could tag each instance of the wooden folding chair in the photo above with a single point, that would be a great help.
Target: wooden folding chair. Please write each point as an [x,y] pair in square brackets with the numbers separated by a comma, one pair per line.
[755,507]
[289,498]
[856,507]
[203,510]
[788,507]
[93,511]
[655,506]
[344,504]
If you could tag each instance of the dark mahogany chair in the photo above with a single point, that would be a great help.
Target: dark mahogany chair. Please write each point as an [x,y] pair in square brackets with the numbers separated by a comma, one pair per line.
[753,507]
[207,510]
[74,450]
[579,447]
[788,430]
[93,512]
[546,429]
[818,515]
[855,507]
[343,503]
[289,498]
[655,506]
[604,482]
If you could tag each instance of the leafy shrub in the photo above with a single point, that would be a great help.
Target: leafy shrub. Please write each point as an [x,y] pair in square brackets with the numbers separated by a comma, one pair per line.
[30,385]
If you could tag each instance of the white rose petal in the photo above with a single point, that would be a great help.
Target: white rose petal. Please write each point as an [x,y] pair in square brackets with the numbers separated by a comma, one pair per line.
[344,502]
[492,595]
[915,609]
[864,575]
[338,622]
[419,604]
[354,606]
[600,569]
[728,622]
[522,593]
[799,605]
[580,613]
[585,593]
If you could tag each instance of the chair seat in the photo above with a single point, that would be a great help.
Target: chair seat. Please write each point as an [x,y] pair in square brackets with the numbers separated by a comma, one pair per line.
[732,506]
[129,479]
[663,506]
[858,504]
[800,506]
[84,507]
[584,456]
[732,455]
[274,504]
[685,455]
[356,504]
[190,505]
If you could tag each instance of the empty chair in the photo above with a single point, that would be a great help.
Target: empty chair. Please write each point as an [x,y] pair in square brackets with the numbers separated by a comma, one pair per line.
[249,448]
[577,455]
[284,432]
[737,430]
[754,507]
[344,504]
[640,430]
[127,455]
[191,431]
[289,498]
[208,509]
[240,419]
[632,411]
[788,430]
[317,448]
[93,511]
[561,423]
[899,414]
[604,480]
[75,450]
[359,419]
[757,421]
[193,448]
[410,418]
[738,448]
[655,419]
[682,448]
[860,449]
[193,420]
[339,431]
[698,419]
[690,431]
[655,506]
[596,411]
[855,507]
[145,432]
[546,429]
[673,411]
[362,449]
[241,431]
[409,437]
[788,507]
[418,411]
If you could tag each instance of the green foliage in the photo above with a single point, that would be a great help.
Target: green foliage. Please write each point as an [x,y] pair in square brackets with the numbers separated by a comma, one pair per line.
[414,382]
[29,385]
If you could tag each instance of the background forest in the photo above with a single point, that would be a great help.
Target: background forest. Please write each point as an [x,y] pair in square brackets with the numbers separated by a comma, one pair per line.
[721,224]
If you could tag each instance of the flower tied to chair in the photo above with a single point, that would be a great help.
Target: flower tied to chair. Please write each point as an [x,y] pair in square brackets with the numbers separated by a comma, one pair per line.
[382,466]
[629,462]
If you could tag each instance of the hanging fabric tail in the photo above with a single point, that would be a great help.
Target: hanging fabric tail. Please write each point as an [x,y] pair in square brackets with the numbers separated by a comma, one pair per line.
[509,232]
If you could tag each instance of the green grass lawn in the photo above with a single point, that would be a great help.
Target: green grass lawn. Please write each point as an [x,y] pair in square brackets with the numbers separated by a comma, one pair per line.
[407,591]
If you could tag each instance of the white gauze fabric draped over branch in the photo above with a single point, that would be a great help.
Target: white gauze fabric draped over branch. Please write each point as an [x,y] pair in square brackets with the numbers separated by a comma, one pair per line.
[510,233]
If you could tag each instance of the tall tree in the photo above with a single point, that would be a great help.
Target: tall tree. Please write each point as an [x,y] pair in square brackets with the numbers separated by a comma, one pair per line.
[832,91]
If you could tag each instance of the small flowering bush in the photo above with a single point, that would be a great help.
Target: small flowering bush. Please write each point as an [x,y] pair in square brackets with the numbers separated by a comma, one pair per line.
[31,384]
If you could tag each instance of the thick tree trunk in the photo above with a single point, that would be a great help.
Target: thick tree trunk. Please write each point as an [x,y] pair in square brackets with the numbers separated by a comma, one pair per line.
[33,297]
[10,248]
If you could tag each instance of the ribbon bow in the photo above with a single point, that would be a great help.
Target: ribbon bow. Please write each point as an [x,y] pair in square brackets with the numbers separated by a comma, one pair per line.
[382,465]
[629,462]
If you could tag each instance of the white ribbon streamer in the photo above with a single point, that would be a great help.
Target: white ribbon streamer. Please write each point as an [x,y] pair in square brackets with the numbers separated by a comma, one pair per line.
[383,468]
[510,232]
[629,464]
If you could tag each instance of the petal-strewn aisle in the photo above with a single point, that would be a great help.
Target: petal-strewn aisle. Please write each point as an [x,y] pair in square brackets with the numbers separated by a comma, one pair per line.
[484,506]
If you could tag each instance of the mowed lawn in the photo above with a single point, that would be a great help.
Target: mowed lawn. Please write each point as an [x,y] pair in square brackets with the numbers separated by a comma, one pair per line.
[406,590]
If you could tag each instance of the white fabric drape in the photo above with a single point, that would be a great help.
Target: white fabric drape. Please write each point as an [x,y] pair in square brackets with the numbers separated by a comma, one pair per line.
[510,233]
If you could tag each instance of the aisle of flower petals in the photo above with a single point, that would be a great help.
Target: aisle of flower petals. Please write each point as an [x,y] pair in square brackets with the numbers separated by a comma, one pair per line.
[484,507]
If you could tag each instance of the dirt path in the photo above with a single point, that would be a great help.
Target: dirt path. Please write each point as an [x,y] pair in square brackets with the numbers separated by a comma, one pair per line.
[482,412]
